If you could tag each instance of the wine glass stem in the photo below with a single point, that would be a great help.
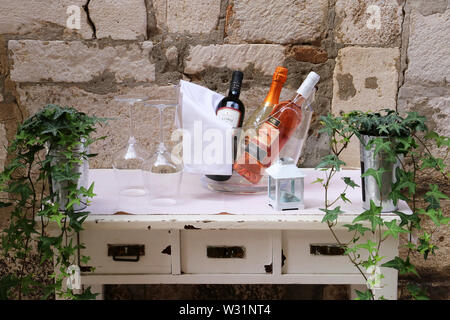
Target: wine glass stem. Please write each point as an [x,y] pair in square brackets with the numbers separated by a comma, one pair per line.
[131,119]
[161,129]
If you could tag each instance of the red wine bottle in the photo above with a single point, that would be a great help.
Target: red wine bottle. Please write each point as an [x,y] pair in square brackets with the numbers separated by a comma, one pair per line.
[231,110]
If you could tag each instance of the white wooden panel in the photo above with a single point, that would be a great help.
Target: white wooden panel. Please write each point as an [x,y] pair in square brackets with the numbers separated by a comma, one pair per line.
[175,251]
[296,248]
[224,279]
[194,243]
[154,261]
[276,251]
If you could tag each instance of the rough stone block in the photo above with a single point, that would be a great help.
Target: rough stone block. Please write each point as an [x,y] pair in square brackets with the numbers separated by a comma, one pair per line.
[431,102]
[264,57]
[199,16]
[75,61]
[3,146]
[281,21]
[309,54]
[364,79]
[119,19]
[429,50]
[369,22]
[42,17]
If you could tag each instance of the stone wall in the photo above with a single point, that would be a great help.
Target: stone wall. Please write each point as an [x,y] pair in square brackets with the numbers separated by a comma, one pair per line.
[401,60]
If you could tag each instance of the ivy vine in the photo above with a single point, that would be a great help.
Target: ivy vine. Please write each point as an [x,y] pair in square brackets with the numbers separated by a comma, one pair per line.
[47,148]
[393,138]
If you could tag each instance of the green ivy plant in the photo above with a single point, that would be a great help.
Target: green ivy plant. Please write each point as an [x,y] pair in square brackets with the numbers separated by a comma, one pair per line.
[53,135]
[393,138]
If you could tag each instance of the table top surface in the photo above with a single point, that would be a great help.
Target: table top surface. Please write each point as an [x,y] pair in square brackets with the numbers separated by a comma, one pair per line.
[199,206]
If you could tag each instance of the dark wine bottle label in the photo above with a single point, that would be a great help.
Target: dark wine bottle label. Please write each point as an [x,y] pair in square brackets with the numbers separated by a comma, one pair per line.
[230,113]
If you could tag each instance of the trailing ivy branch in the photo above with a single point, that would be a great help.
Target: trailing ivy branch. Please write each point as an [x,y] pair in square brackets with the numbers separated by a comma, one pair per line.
[47,147]
[408,141]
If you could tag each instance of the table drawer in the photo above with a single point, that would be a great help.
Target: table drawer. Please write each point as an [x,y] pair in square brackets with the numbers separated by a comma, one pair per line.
[225,251]
[312,251]
[127,251]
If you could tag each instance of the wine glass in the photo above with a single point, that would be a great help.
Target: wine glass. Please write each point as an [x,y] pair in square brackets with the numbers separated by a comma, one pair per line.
[129,162]
[163,171]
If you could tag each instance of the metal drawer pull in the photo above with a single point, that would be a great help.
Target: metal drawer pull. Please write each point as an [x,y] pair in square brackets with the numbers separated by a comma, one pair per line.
[118,250]
[225,252]
[327,249]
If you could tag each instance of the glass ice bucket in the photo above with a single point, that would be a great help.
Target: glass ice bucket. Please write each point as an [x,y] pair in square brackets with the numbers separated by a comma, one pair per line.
[292,150]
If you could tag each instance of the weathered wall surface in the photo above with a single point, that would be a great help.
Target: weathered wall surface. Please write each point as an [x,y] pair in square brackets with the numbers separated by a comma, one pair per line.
[401,60]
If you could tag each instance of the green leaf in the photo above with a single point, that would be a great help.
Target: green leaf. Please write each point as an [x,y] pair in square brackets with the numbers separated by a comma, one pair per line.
[86,295]
[331,215]
[377,174]
[416,292]
[370,246]
[372,215]
[406,218]
[57,218]
[403,266]
[435,215]
[344,198]
[318,180]
[434,196]
[366,295]
[331,161]
[350,182]
[357,227]
[393,229]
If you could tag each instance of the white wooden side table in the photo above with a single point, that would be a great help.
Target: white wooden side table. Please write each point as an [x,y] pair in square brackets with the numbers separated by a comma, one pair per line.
[219,238]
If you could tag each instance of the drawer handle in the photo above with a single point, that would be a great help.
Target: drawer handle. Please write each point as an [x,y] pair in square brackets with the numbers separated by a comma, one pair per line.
[223,252]
[117,251]
[327,249]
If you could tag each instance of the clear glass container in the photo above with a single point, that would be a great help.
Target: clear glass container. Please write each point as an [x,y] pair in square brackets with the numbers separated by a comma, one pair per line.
[129,163]
[294,147]
[292,151]
[163,171]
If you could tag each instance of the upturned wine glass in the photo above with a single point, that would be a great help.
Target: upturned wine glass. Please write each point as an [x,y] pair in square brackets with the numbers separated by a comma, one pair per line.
[163,171]
[129,161]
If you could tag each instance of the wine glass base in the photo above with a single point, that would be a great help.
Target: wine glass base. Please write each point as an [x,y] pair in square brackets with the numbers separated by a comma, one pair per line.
[133,192]
[163,202]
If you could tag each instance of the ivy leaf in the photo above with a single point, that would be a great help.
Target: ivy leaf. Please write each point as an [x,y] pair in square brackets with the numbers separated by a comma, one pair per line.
[318,180]
[344,198]
[357,227]
[372,215]
[394,126]
[350,182]
[404,144]
[381,145]
[434,196]
[436,216]
[57,218]
[403,266]
[406,218]
[331,161]
[370,246]
[416,292]
[366,295]
[377,174]
[86,295]
[331,215]
[383,129]
[393,229]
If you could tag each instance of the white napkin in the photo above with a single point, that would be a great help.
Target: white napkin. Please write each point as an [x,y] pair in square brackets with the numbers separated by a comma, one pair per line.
[207,140]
